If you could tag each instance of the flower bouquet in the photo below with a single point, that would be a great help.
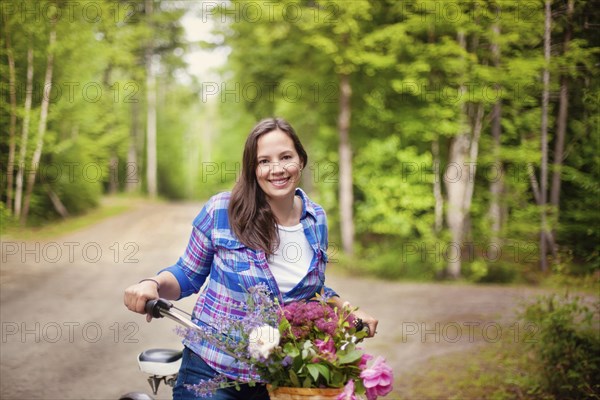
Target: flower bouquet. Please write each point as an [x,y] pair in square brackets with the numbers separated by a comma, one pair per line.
[301,345]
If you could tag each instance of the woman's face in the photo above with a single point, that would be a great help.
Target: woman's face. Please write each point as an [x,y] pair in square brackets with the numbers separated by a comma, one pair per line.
[279,165]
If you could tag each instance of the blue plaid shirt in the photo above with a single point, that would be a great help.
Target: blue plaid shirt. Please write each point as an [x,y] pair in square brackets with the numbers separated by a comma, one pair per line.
[214,252]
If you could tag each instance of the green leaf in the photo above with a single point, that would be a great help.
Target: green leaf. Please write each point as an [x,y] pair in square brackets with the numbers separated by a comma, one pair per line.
[294,379]
[350,357]
[307,382]
[313,370]
[291,350]
[323,370]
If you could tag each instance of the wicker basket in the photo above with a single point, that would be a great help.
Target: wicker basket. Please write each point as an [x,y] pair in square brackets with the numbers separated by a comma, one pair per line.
[292,393]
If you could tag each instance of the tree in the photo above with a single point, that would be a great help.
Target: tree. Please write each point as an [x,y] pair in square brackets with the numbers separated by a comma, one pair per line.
[561,121]
[544,137]
[24,131]
[35,161]
[13,118]
[151,164]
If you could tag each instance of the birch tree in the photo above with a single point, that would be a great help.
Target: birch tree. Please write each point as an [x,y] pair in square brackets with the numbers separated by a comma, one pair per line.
[497,184]
[544,137]
[12,82]
[24,130]
[562,118]
[37,154]
[151,163]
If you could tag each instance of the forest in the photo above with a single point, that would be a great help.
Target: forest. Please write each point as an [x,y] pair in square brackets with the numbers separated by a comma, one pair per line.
[446,139]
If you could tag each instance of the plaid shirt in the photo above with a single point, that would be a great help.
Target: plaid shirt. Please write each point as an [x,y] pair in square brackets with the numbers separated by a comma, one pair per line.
[214,252]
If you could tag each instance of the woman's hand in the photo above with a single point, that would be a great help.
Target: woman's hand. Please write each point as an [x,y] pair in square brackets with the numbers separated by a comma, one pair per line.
[367,320]
[136,296]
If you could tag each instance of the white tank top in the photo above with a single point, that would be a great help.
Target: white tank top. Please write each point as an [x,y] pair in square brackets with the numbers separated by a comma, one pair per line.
[291,260]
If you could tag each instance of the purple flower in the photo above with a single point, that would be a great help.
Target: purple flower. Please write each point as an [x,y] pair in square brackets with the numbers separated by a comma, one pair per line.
[287,361]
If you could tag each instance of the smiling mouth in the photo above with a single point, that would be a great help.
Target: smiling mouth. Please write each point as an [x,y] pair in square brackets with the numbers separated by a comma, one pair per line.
[279,182]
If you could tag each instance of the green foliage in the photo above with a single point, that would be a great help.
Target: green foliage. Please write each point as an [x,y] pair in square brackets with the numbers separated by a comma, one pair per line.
[80,184]
[568,345]
[394,192]
[407,62]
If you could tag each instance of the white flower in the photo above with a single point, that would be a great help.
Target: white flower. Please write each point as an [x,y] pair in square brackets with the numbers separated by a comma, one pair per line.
[262,341]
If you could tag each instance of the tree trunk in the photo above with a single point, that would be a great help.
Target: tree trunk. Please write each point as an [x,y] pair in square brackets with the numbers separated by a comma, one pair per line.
[113,166]
[497,184]
[456,179]
[435,153]
[151,163]
[24,132]
[132,167]
[37,154]
[456,186]
[13,120]
[437,187]
[561,123]
[345,151]
[473,154]
[549,237]
[58,205]
[544,139]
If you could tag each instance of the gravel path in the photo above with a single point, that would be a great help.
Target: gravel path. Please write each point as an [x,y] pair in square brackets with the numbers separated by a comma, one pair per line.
[67,335]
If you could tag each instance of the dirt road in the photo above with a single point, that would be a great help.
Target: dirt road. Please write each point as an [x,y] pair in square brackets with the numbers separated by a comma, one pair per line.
[67,335]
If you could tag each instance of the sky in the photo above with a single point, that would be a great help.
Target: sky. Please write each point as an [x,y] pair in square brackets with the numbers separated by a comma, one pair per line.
[202,62]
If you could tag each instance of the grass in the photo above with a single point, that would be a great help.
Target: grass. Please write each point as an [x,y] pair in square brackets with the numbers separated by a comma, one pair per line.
[500,370]
[110,206]
[589,284]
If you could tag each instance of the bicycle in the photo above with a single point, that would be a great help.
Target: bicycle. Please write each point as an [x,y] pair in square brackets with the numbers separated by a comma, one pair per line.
[162,365]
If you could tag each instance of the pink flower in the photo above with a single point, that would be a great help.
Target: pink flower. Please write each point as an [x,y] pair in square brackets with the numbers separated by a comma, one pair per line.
[377,379]
[326,348]
[364,360]
[348,393]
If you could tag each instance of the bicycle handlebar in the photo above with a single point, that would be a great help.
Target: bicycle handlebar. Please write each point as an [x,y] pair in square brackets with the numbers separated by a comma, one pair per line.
[157,307]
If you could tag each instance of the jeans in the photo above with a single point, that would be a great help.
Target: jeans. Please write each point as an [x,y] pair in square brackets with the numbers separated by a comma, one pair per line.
[194,369]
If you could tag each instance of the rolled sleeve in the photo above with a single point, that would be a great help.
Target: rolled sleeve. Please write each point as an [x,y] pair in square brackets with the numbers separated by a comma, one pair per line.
[329,292]
[193,267]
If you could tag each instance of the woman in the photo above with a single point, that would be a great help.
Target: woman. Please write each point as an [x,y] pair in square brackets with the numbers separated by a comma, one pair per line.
[265,231]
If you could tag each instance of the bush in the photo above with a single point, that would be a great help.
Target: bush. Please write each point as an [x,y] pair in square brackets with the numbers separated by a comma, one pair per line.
[568,346]
[499,273]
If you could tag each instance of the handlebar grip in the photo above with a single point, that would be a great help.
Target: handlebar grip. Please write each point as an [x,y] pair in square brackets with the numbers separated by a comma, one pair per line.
[153,307]
[360,326]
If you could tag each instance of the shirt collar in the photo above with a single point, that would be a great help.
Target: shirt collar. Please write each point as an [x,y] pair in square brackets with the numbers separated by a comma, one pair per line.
[307,207]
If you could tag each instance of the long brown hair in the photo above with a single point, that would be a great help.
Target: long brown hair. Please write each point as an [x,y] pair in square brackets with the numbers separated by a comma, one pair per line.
[250,215]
